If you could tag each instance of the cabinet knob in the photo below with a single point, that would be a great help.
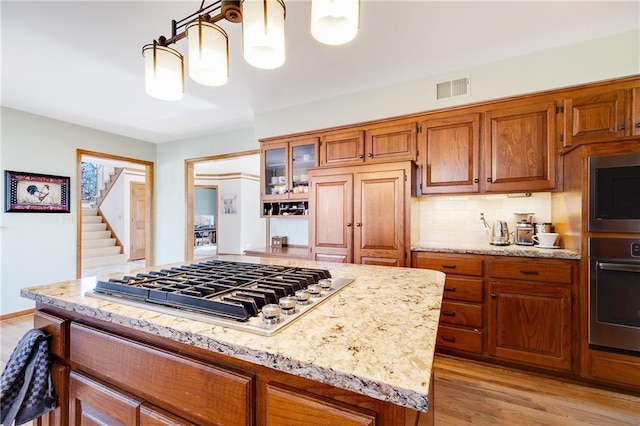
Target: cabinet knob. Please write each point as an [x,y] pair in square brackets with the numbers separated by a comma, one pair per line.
[493,295]
[348,224]
[360,156]
[638,125]
[621,127]
[358,224]
[370,155]
[489,179]
[476,180]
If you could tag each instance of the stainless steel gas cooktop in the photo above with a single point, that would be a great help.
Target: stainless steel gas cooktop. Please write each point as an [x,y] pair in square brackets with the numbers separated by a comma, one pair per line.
[261,299]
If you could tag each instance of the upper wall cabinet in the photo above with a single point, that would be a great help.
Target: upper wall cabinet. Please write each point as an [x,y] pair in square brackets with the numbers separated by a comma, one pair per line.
[596,117]
[285,168]
[449,149]
[519,148]
[635,111]
[383,144]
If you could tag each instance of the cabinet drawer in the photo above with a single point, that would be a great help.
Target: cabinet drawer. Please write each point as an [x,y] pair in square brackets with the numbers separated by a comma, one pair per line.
[461,314]
[198,392]
[458,338]
[291,406]
[57,328]
[448,265]
[467,289]
[531,270]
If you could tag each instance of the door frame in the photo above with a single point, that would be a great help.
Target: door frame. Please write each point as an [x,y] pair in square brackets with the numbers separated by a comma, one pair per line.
[149,194]
[190,178]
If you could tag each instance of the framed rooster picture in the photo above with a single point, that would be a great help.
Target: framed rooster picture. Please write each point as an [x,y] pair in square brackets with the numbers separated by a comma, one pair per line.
[36,193]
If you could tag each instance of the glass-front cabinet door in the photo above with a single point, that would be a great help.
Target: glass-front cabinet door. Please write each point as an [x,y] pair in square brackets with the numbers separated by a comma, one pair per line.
[303,156]
[274,171]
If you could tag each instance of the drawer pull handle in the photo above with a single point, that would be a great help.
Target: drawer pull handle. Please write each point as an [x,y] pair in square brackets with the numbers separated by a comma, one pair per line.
[448,313]
[448,338]
[448,266]
[526,272]
[449,289]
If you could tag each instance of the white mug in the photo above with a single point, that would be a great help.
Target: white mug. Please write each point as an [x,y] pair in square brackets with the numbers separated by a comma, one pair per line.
[546,239]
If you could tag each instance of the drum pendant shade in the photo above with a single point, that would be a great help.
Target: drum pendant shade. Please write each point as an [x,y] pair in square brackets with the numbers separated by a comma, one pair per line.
[263,33]
[164,72]
[208,53]
[335,22]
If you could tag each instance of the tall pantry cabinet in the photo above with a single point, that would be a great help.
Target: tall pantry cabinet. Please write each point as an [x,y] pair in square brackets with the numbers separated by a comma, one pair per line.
[361,214]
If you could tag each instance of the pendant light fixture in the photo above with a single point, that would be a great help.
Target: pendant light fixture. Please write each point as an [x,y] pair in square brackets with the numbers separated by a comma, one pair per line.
[335,22]
[164,72]
[263,33]
[332,22]
[208,53]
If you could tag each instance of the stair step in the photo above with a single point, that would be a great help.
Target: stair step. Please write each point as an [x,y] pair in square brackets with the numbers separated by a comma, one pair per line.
[91,219]
[89,212]
[89,227]
[95,235]
[101,242]
[92,262]
[100,252]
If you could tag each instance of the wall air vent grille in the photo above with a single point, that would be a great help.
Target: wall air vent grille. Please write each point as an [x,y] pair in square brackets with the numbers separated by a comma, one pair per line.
[453,88]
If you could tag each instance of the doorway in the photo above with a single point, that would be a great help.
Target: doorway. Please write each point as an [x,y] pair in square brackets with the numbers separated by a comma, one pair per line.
[205,220]
[133,234]
[226,176]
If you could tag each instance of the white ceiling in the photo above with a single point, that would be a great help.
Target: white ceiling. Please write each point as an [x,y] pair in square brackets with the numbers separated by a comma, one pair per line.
[81,62]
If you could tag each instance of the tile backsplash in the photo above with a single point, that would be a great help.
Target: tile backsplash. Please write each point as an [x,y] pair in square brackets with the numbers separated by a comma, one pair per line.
[456,219]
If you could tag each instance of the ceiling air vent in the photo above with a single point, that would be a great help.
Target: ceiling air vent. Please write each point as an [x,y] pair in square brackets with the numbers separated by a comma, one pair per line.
[452,88]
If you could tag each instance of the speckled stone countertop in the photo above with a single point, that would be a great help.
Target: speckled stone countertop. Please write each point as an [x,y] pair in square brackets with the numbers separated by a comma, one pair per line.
[488,249]
[361,339]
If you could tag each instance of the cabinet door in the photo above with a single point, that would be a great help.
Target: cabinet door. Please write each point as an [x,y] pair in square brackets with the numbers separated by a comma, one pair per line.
[635,111]
[342,149]
[153,416]
[391,143]
[59,416]
[595,118]
[519,148]
[450,150]
[530,323]
[303,156]
[379,216]
[331,218]
[289,406]
[92,403]
[273,159]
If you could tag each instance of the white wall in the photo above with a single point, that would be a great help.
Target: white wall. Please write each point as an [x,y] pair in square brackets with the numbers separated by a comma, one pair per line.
[170,185]
[252,226]
[39,248]
[590,61]
[116,207]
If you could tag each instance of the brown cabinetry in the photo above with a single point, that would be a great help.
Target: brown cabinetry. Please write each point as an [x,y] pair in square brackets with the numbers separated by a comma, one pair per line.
[449,148]
[379,144]
[519,148]
[461,316]
[361,214]
[530,311]
[595,117]
[291,406]
[285,168]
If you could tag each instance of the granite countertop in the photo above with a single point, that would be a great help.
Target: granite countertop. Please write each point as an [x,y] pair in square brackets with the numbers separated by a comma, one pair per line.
[358,340]
[488,249]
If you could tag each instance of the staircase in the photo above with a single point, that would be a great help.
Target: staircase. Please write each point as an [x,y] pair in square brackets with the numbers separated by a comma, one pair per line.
[99,247]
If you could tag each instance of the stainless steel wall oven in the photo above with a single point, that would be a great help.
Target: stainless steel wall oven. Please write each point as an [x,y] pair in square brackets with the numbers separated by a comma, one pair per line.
[614,193]
[614,293]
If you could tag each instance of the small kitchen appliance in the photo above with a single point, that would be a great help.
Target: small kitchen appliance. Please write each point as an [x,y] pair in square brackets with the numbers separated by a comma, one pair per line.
[500,233]
[524,229]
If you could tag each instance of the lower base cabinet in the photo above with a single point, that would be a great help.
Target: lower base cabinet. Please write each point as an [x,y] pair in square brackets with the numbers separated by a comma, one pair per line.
[111,375]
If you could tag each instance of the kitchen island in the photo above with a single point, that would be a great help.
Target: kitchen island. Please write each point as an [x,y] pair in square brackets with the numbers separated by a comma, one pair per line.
[363,357]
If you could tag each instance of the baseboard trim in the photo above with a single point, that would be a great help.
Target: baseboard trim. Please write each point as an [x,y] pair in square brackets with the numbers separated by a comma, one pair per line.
[17,314]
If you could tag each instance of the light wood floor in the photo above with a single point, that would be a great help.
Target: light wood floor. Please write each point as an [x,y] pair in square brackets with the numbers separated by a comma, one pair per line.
[470,393]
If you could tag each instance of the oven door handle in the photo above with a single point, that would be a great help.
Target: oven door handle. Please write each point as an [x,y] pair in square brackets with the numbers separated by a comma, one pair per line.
[619,267]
